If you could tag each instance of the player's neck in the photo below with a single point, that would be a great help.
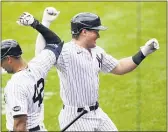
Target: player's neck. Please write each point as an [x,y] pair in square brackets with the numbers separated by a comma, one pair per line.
[80,43]
[21,65]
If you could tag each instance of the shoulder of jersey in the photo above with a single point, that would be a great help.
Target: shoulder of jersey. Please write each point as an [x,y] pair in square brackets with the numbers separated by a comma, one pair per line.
[22,77]
[17,79]
[98,49]
[67,47]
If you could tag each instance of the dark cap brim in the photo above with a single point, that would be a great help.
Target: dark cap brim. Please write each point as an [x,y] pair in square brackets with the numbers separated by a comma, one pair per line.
[100,28]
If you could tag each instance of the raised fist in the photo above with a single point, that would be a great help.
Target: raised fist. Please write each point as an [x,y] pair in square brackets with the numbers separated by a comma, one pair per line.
[26,19]
[50,14]
[150,46]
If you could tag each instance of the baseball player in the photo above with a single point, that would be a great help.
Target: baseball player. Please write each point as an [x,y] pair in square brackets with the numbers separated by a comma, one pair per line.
[79,65]
[24,92]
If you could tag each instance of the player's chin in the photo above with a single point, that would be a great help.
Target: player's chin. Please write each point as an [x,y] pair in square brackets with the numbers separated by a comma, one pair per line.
[9,71]
[93,45]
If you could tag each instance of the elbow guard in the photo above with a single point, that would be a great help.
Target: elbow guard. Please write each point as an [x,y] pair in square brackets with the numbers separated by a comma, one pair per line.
[55,48]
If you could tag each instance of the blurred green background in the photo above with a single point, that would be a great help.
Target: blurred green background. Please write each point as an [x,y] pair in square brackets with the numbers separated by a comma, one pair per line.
[135,101]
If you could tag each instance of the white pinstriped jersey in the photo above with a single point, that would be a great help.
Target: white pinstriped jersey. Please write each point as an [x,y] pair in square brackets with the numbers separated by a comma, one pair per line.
[24,91]
[79,73]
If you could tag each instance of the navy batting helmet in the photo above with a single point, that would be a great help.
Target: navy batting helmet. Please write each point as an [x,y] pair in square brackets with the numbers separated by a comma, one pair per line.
[86,20]
[10,47]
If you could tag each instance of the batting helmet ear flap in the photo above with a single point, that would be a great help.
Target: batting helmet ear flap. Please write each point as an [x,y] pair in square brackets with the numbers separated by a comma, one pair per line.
[74,28]
[77,27]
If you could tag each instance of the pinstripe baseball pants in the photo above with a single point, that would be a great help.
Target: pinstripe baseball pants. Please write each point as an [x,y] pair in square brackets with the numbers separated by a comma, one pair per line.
[92,121]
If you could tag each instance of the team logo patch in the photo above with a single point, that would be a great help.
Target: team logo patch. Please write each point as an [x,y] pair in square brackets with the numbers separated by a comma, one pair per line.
[16,108]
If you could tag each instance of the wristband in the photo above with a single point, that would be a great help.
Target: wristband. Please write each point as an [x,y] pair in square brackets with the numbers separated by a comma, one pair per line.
[138,57]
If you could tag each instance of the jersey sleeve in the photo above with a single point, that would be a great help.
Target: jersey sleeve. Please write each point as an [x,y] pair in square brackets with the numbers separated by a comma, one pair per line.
[108,62]
[42,63]
[17,100]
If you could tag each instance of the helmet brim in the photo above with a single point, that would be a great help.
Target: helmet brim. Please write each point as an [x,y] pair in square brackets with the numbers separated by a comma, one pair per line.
[99,28]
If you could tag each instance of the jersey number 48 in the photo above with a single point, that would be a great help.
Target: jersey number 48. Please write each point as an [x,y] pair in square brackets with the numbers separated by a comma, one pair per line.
[38,91]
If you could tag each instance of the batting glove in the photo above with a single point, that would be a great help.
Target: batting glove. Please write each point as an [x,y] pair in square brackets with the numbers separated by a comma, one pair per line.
[150,46]
[50,14]
[26,19]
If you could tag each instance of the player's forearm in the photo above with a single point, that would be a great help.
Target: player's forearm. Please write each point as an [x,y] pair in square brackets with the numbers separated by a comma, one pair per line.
[125,65]
[40,44]
[40,41]
[20,128]
[49,36]
[20,123]
[129,64]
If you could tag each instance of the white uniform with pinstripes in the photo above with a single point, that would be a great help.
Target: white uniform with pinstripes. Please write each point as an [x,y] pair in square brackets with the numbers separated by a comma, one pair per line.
[79,84]
[20,90]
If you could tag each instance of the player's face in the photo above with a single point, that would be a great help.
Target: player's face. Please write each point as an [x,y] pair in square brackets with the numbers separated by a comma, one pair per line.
[6,64]
[89,36]
[92,36]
